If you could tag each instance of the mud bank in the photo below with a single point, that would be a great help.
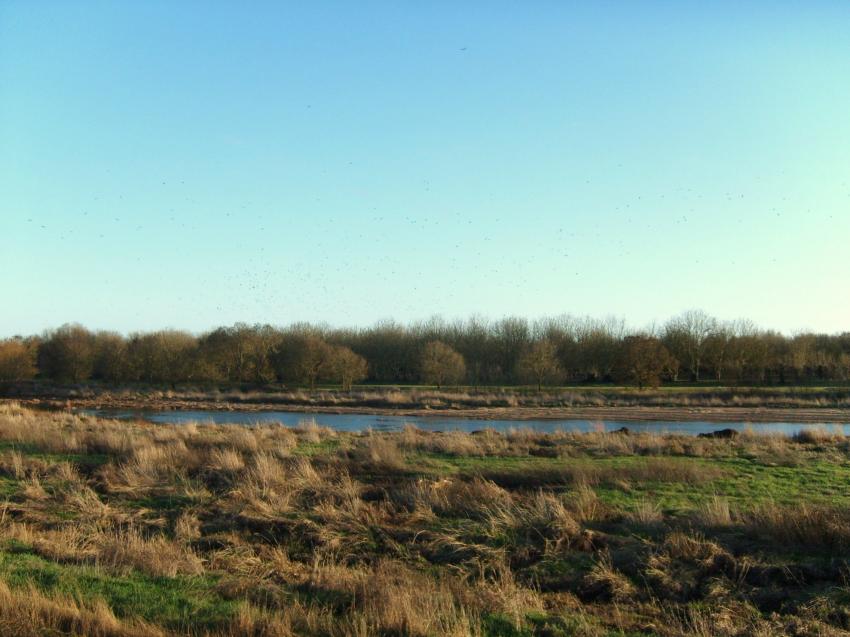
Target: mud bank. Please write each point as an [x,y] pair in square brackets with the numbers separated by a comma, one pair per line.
[626,413]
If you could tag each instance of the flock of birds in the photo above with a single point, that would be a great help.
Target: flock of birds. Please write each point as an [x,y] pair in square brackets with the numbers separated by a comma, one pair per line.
[268,264]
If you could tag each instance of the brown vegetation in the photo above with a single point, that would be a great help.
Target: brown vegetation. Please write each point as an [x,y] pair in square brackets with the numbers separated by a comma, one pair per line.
[441,365]
[17,359]
[311,531]
[692,346]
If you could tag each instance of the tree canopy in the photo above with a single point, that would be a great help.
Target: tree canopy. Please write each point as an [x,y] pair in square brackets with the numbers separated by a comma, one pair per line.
[475,352]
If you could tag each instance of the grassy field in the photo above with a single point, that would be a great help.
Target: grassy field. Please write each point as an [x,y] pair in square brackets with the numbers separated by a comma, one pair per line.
[117,528]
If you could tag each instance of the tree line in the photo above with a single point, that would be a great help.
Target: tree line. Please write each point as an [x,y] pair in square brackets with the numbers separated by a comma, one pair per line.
[693,346]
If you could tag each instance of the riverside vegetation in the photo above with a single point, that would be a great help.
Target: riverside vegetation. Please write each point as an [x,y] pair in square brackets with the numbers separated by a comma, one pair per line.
[692,347]
[117,528]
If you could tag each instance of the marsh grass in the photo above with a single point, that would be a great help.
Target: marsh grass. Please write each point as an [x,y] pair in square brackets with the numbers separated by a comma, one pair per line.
[749,397]
[116,528]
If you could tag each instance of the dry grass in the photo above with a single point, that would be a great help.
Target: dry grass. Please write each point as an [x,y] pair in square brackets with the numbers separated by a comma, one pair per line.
[28,613]
[155,555]
[377,453]
[472,397]
[306,531]
[801,525]
[606,583]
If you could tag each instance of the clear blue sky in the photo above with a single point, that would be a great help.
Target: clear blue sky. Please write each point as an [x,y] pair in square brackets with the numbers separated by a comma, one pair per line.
[191,164]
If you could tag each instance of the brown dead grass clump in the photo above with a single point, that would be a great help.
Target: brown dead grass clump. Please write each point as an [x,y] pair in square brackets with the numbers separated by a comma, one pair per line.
[542,519]
[686,564]
[716,512]
[315,532]
[377,453]
[605,583]
[801,525]
[228,460]
[155,555]
[394,600]
[453,497]
[29,613]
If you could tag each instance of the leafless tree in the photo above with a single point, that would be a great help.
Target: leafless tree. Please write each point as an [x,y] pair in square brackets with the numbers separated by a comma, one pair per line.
[540,363]
[17,359]
[643,361]
[67,353]
[166,356]
[585,350]
[111,362]
[347,367]
[304,357]
[692,329]
[441,364]
[743,331]
[717,349]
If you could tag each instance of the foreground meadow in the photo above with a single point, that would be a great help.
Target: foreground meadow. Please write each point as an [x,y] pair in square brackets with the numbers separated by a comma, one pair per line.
[116,528]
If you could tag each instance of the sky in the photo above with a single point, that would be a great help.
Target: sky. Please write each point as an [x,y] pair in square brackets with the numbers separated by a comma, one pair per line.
[194,164]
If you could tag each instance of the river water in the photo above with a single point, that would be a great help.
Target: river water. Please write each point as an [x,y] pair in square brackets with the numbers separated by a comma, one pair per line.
[361,422]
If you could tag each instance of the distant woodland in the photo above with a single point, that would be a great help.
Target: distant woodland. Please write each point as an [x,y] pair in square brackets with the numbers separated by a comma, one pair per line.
[692,347]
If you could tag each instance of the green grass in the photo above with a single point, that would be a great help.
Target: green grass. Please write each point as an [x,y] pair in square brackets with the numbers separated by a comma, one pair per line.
[740,480]
[268,538]
[8,487]
[80,459]
[178,602]
[744,482]
[326,446]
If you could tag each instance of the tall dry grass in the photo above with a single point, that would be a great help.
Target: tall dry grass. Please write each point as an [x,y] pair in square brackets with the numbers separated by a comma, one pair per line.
[328,533]
[29,613]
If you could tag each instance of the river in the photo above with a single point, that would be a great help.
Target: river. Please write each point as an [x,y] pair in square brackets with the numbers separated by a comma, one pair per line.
[361,422]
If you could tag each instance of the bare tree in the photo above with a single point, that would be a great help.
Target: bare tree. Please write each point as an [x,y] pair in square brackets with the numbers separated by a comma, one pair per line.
[717,349]
[512,336]
[692,329]
[303,357]
[110,358]
[741,347]
[598,343]
[474,341]
[67,353]
[241,352]
[166,356]
[347,367]
[491,352]
[643,361]
[17,359]
[441,364]
[540,363]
